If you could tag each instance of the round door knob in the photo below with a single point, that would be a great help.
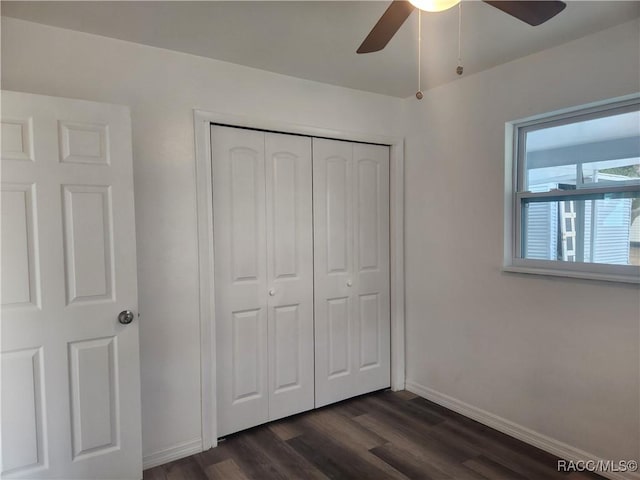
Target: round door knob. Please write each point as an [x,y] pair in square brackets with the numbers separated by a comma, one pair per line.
[349,283]
[125,317]
[272,292]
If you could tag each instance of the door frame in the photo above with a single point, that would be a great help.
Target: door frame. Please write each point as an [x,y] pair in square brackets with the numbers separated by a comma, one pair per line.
[204,194]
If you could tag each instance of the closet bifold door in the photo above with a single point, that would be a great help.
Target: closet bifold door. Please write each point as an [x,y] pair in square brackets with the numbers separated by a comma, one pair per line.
[351,269]
[263,262]
[290,274]
[240,280]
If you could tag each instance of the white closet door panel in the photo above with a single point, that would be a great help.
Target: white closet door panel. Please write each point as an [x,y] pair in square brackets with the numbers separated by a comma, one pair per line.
[338,191]
[351,255]
[240,277]
[371,277]
[289,220]
[338,336]
[333,259]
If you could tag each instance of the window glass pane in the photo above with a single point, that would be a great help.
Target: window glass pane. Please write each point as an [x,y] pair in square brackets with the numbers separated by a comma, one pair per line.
[593,231]
[611,172]
[583,154]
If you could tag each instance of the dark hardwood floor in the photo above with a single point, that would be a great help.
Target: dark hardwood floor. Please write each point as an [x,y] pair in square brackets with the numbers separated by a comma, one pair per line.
[377,436]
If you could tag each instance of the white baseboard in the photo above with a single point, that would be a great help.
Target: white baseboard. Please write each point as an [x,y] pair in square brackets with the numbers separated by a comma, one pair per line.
[543,442]
[170,454]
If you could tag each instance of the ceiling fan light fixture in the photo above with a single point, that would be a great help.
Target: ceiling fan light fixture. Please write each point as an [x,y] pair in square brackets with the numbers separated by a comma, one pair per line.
[434,5]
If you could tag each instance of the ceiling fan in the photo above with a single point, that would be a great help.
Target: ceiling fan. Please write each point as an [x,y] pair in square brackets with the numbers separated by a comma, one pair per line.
[531,12]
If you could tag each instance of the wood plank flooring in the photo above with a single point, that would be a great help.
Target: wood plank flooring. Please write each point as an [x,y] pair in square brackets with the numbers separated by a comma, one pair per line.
[384,435]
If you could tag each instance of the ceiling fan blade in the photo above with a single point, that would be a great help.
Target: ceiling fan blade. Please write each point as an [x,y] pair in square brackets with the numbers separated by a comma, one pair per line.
[391,20]
[531,12]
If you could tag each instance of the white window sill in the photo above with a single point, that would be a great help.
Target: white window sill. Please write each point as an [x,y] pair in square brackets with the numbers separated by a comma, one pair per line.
[607,277]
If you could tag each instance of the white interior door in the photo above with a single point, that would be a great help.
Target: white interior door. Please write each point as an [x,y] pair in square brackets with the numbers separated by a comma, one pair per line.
[263,276]
[240,281]
[290,274]
[351,265]
[70,370]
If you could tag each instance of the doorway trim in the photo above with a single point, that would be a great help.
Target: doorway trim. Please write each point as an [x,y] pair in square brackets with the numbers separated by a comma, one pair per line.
[204,196]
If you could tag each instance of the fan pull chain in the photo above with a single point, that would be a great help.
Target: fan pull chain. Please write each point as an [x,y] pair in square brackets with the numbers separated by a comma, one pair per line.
[419,92]
[459,68]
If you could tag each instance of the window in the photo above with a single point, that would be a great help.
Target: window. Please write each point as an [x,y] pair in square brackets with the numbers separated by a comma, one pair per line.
[576,194]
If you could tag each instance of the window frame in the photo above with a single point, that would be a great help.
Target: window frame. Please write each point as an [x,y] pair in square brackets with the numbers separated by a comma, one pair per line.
[515,171]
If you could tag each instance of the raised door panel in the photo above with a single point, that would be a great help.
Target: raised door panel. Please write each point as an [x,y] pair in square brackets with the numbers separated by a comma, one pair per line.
[16,139]
[245,209]
[24,440]
[286,348]
[337,212]
[369,331]
[84,143]
[94,396]
[88,238]
[284,191]
[20,271]
[240,278]
[368,178]
[289,229]
[339,336]
[332,209]
[247,340]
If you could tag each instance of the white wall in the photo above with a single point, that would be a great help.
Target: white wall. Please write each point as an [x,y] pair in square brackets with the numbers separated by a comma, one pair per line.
[162,88]
[558,356]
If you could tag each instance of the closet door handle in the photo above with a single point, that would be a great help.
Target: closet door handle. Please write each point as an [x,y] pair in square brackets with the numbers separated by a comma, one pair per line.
[272,292]
[349,283]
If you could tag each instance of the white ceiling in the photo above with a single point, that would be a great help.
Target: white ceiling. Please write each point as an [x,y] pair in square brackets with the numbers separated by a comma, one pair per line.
[318,40]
